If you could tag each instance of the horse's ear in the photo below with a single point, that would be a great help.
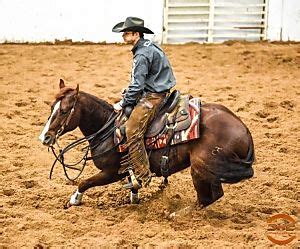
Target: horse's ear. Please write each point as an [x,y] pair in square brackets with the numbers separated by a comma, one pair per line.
[77,89]
[61,83]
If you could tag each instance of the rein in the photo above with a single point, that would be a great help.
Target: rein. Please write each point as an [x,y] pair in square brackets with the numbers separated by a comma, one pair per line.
[102,134]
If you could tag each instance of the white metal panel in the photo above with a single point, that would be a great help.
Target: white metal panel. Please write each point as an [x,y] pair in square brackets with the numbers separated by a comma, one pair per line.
[291,20]
[88,20]
[284,20]
[275,20]
[240,20]
[186,21]
[214,20]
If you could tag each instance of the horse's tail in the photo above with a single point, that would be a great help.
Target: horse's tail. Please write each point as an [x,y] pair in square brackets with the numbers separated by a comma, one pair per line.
[251,154]
[232,170]
[239,169]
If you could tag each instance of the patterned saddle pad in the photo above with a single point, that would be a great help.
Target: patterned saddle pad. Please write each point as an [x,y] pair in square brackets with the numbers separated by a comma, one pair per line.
[179,126]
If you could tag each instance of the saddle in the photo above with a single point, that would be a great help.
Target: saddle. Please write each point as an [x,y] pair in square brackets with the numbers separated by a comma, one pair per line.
[177,122]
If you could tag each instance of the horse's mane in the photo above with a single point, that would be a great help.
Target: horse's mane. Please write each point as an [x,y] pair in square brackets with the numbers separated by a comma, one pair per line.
[105,107]
[102,102]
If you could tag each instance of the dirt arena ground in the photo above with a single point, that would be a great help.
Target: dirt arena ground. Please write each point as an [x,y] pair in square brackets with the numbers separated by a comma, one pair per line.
[260,82]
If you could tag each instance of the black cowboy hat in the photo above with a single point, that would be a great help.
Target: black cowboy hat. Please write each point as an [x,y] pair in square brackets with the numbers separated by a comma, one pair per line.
[132,24]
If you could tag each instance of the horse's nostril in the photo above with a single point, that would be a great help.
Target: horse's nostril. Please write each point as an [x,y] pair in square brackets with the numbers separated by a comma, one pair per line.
[47,140]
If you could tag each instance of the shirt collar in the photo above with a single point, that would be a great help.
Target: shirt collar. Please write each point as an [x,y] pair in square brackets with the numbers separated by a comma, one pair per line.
[138,45]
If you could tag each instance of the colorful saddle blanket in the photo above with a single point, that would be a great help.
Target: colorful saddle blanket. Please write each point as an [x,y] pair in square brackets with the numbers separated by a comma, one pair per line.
[179,126]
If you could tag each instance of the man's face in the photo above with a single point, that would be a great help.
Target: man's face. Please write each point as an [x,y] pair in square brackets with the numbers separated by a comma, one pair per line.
[130,37]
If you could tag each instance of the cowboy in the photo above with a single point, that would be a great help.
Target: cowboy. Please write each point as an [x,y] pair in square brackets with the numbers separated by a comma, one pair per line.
[151,80]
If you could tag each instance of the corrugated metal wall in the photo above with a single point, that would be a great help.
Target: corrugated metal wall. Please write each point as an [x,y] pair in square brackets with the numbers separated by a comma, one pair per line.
[214,20]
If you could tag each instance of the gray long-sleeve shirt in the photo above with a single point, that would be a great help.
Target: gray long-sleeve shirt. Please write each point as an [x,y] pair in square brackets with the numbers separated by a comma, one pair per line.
[151,72]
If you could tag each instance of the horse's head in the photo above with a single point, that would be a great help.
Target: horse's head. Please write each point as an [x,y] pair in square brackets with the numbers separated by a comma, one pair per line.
[64,114]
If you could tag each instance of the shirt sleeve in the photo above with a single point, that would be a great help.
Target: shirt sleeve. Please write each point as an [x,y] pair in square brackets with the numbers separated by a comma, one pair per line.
[140,69]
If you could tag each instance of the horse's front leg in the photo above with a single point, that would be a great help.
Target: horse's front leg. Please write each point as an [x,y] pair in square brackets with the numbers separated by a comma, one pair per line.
[100,179]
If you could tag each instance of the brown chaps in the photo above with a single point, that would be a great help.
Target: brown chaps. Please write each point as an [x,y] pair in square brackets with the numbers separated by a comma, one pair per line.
[136,126]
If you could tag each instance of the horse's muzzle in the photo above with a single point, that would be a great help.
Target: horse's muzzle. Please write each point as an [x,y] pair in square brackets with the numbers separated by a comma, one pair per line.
[49,140]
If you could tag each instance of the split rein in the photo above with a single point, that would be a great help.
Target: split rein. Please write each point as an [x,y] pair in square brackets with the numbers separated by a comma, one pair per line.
[101,134]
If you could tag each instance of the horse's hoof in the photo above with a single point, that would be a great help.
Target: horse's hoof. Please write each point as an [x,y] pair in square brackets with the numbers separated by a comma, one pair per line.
[163,184]
[67,205]
[134,198]
[76,198]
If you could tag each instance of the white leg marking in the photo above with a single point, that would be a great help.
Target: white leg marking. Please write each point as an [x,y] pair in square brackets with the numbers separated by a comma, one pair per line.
[46,128]
[76,198]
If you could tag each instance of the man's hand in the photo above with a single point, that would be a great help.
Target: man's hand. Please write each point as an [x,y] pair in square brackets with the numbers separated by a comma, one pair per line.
[117,107]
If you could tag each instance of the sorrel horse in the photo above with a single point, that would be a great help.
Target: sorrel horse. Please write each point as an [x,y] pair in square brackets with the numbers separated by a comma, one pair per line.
[224,153]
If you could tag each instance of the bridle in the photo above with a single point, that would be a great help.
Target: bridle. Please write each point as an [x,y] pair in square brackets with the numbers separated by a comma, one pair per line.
[67,119]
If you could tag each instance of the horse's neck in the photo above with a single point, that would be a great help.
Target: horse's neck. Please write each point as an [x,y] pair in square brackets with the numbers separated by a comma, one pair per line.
[94,113]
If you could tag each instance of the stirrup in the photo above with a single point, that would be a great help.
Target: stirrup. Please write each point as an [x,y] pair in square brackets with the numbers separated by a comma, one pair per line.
[130,185]
[134,183]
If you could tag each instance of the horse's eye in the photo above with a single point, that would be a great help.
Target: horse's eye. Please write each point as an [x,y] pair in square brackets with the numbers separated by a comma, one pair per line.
[64,112]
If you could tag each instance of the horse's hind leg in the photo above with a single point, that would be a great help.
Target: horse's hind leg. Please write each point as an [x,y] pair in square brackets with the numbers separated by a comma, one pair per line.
[208,190]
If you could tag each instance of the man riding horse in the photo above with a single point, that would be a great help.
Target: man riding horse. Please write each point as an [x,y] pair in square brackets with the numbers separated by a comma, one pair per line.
[224,153]
[151,80]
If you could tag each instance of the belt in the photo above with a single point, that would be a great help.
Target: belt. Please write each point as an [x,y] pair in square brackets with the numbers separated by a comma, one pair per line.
[161,94]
